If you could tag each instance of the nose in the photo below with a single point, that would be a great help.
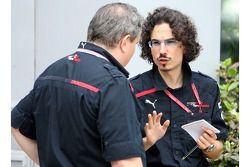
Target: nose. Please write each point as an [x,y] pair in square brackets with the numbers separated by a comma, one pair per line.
[163,48]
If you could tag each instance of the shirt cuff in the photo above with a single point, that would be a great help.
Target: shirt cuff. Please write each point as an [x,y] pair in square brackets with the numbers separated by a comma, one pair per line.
[123,150]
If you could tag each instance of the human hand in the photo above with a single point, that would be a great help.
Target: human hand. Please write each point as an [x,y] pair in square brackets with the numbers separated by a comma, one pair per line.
[153,129]
[207,139]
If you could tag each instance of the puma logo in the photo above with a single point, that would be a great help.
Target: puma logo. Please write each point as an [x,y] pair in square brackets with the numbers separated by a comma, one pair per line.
[194,104]
[152,103]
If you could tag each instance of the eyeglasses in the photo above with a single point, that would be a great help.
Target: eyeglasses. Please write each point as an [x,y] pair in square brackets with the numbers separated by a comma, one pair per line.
[170,43]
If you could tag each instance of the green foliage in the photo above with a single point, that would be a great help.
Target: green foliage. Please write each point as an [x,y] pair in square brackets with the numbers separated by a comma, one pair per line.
[229,89]
[230,30]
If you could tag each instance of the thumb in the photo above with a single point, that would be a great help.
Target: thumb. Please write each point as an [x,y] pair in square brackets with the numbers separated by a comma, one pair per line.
[166,124]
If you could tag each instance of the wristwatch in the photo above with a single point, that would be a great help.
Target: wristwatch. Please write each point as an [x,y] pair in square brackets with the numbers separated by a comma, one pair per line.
[210,148]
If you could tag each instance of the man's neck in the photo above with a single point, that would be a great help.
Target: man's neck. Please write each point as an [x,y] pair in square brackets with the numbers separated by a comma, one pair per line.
[173,78]
[114,51]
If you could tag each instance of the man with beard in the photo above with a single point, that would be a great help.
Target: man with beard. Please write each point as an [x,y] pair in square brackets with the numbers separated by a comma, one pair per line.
[169,42]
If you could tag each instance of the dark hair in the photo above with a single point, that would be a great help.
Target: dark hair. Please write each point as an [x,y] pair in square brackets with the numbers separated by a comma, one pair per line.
[112,21]
[182,28]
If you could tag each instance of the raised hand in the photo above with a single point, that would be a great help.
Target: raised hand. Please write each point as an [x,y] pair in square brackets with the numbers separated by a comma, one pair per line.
[154,130]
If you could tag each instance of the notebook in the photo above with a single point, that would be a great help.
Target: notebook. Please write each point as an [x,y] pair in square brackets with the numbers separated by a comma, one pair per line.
[195,128]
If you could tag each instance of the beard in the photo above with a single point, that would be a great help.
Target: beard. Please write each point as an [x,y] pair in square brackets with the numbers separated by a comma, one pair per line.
[163,62]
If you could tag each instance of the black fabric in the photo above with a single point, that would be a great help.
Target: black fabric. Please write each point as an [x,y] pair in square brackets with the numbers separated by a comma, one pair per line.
[169,150]
[87,124]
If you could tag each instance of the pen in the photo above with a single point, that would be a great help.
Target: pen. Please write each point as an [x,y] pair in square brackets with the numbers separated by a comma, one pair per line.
[190,152]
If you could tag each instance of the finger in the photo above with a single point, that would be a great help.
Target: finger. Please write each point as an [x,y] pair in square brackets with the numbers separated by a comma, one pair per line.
[150,121]
[201,145]
[204,141]
[146,127]
[165,124]
[210,132]
[208,137]
[158,119]
[154,116]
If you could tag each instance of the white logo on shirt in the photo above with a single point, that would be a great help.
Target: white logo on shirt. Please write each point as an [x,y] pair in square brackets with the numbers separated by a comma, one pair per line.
[219,104]
[221,115]
[152,103]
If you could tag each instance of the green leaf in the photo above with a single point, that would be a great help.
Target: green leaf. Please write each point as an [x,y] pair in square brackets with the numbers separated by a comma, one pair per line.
[233,86]
[227,105]
[223,87]
[226,63]
[235,157]
[235,114]
[232,72]
[227,147]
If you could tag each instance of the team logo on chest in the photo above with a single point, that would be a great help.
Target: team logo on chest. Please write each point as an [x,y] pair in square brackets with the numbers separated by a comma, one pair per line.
[198,105]
[152,103]
[193,104]
[74,58]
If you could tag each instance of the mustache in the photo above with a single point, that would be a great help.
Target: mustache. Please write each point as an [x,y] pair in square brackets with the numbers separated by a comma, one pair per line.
[163,56]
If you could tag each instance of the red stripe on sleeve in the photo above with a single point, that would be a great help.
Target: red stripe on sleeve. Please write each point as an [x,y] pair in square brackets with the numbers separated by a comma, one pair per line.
[84,85]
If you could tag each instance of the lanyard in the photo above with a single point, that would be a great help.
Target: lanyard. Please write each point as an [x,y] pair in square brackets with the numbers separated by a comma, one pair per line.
[177,101]
[198,98]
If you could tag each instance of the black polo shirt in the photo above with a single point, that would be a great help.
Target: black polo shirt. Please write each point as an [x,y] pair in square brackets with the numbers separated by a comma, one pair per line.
[149,88]
[81,111]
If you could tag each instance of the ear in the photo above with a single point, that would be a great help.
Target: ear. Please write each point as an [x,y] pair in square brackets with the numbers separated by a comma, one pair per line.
[124,43]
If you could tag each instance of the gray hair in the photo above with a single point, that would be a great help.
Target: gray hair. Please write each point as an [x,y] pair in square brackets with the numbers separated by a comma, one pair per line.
[113,21]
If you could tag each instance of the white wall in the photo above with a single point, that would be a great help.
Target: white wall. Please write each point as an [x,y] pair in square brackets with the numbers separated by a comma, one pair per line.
[22,48]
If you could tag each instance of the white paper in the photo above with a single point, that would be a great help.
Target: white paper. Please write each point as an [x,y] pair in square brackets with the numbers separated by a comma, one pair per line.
[195,128]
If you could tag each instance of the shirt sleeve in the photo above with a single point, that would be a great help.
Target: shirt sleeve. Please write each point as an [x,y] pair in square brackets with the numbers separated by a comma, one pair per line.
[217,117]
[22,117]
[117,122]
